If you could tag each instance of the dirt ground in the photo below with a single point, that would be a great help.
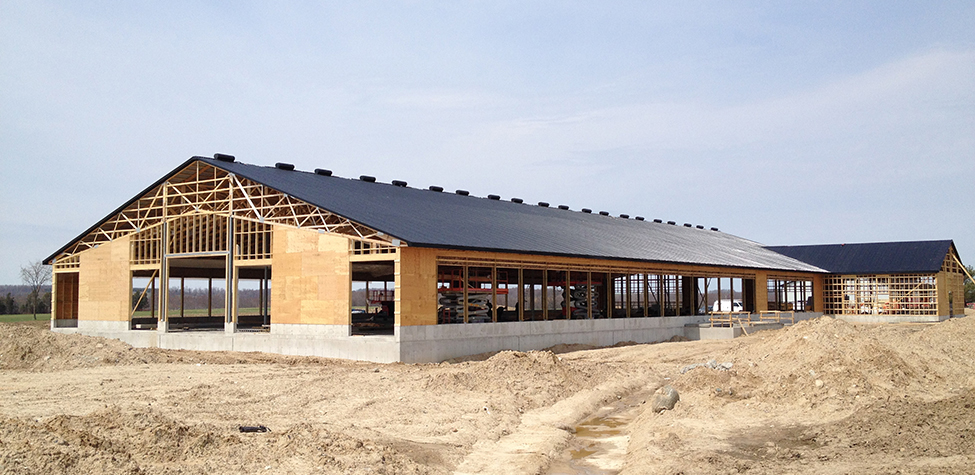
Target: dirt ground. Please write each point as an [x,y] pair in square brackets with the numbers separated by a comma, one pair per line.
[822,396]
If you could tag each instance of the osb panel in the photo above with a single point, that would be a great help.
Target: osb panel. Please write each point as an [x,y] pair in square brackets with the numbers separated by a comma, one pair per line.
[416,287]
[761,291]
[310,278]
[104,284]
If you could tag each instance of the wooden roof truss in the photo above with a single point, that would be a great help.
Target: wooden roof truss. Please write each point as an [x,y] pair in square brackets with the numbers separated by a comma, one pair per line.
[201,188]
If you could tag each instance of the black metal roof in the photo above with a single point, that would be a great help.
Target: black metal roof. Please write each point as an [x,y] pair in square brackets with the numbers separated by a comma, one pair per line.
[426,218]
[873,258]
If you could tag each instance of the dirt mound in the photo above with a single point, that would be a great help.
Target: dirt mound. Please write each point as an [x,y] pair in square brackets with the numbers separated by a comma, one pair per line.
[142,441]
[825,358]
[35,348]
[532,378]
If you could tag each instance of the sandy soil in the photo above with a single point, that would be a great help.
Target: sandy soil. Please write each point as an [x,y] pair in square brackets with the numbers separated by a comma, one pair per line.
[820,397]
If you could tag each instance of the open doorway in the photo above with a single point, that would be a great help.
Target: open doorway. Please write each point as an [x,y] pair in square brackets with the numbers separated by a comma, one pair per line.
[253,297]
[197,292]
[373,298]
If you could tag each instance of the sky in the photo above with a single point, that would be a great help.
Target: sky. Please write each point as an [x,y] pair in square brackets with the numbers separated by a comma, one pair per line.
[782,122]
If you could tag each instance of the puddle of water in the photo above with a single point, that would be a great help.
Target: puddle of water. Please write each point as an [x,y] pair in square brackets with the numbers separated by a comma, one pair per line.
[599,445]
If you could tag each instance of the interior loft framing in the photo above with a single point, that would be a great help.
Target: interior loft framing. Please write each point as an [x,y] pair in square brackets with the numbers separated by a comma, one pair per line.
[199,188]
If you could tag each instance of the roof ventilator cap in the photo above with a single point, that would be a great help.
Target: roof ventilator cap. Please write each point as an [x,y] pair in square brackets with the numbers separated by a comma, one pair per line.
[625,216]
[688,225]
[494,197]
[370,179]
[284,166]
[543,204]
[672,223]
[438,189]
[699,226]
[714,229]
[399,183]
[563,207]
[639,218]
[223,157]
[517,200]
[604,213]
[463,192]
[323,172]
[586,210]
[658,221]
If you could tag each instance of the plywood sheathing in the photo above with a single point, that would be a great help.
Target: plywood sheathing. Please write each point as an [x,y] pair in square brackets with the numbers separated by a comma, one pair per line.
[104,284]
[416,287]
[310,280]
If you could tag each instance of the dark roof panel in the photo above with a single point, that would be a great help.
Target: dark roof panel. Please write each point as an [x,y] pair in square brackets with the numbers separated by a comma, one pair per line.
[872,258]
[448,220]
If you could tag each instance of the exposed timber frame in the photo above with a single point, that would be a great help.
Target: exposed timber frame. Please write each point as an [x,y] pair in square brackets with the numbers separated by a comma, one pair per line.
[200,188]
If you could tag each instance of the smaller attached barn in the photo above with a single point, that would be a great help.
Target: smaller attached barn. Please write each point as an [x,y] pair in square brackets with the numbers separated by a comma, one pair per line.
[916,281]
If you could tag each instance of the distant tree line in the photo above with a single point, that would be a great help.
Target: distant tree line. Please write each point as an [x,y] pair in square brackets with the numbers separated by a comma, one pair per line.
[18,299]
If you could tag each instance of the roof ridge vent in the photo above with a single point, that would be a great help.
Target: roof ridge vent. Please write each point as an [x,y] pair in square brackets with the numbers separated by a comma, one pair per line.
[625,216]
[323,172]
[639,218]
[517,200]
[463,192]
[223,157]
[367,178]
[399,183]
[543,204]
[284,166]
[494,197]
[564,207]
[604,213]
[438,189]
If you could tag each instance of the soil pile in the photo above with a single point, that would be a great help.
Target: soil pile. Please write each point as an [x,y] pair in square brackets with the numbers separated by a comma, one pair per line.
[116,441]
[525,379]
[35,348]
[822,396]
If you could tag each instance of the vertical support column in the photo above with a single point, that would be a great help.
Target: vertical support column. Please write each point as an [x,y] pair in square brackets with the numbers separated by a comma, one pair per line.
[689,295]
[661,298]
[230,296]
[628,285]
[545,294]
[761,291]
[521,294]
[494,294]
[589,299]
[162,324]
[54,295]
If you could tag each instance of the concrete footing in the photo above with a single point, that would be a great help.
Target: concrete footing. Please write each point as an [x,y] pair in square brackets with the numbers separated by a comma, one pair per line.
[412,344]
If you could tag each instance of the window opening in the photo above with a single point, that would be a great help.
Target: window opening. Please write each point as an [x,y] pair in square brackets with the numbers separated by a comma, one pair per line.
[373,298]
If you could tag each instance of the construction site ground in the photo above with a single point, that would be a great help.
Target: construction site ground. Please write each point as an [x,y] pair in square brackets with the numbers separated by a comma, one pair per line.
[822,396]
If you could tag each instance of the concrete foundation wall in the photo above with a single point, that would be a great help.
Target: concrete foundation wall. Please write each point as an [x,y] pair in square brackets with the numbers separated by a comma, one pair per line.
[432,343]
[892,318]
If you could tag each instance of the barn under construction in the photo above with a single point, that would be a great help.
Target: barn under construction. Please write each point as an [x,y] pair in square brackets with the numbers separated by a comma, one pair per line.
[222,255]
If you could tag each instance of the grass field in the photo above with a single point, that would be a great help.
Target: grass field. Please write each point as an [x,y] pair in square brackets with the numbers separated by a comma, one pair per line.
[25,317]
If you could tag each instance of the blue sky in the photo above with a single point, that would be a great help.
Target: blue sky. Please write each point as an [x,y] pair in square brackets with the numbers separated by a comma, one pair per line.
[825,122]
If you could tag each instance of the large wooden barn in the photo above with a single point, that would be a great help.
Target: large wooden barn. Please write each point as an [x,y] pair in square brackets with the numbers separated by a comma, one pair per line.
[223,255]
